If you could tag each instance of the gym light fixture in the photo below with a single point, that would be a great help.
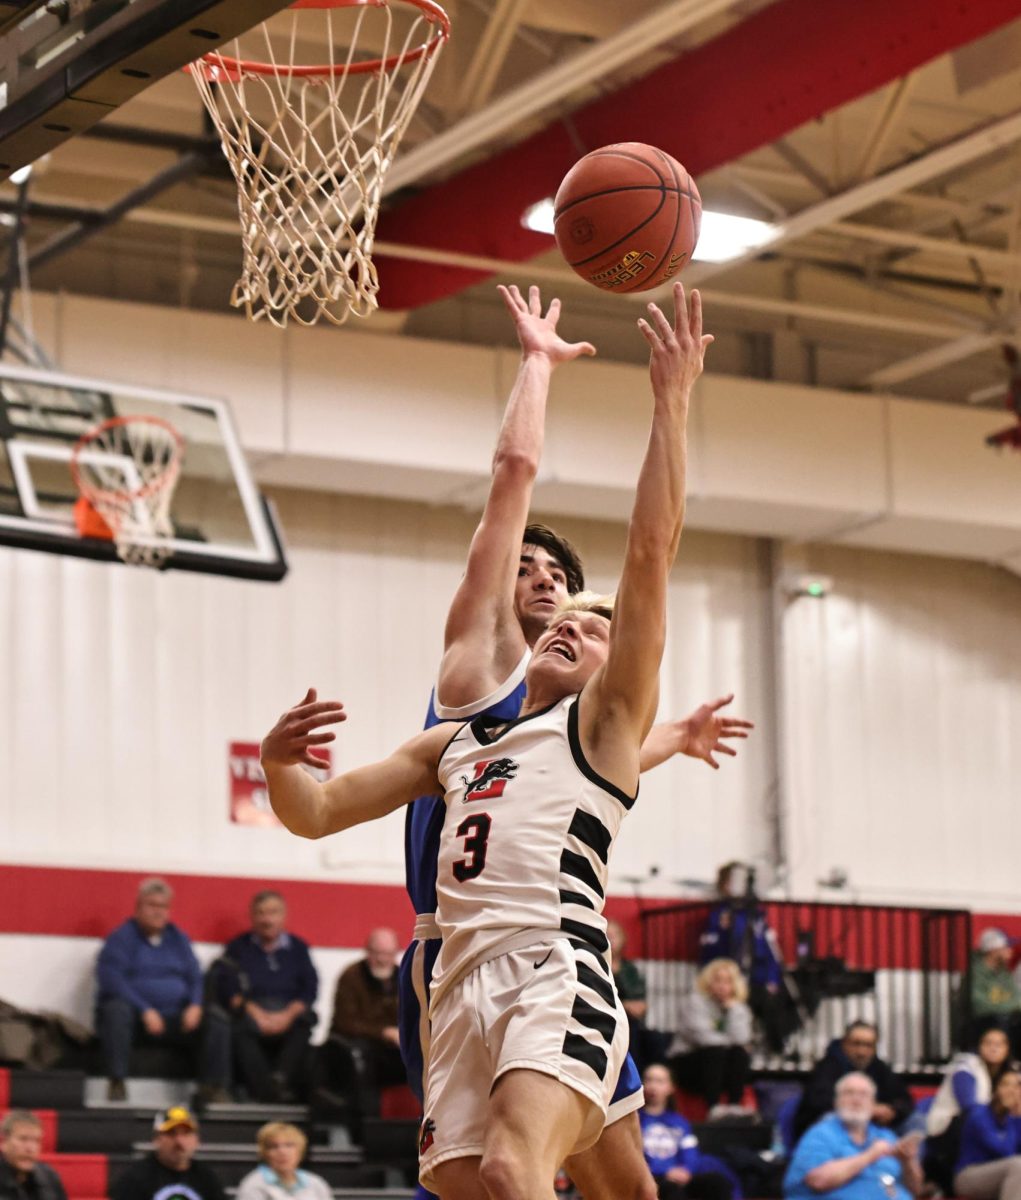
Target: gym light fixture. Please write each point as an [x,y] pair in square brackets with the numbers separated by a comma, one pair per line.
[721,237]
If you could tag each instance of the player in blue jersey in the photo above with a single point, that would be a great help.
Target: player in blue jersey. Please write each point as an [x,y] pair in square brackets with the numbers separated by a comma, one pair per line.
[513,583]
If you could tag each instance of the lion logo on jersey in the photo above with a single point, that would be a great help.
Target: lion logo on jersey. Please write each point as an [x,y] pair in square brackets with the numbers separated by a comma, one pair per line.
[490,779]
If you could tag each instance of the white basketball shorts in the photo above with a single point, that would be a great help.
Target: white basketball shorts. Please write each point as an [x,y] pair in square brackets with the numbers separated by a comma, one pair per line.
[551,1007]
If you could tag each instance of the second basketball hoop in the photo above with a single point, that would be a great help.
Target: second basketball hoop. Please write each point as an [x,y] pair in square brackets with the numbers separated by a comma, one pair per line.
[310,146]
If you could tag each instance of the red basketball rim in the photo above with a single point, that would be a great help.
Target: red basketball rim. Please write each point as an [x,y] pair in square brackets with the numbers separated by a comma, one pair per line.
[214,62]
[86,441]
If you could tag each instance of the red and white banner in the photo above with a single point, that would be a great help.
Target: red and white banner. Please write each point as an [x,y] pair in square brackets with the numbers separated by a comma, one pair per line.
[249,796]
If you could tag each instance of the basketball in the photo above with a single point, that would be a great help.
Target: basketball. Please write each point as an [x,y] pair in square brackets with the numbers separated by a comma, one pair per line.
[627,217]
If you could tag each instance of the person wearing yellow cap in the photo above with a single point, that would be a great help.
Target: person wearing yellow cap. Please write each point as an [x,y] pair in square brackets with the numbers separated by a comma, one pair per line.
[171,1169]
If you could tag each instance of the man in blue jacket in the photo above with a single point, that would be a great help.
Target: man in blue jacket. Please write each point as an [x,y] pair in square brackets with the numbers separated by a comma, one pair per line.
[268,985]
[150,985]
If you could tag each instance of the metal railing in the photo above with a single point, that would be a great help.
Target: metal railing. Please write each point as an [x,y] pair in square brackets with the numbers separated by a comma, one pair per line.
[904,969]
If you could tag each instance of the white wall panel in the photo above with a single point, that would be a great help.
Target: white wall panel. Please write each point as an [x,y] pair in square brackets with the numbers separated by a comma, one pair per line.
[58,974]
[904,729]
[125,687]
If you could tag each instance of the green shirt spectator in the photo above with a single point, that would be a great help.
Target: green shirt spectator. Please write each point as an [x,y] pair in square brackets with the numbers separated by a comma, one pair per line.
[994,991]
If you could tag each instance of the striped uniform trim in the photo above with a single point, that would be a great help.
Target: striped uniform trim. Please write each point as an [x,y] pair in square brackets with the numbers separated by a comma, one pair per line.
[595,1016]
[576,898]
[579,867]
[595,938]
[591,832]
[596,982]
[575,1046]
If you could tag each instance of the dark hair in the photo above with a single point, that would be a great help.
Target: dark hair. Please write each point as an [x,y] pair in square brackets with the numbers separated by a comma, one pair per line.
[265,894]
[562,550]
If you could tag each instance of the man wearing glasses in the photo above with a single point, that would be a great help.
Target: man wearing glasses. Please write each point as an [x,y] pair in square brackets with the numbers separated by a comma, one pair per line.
[855,1051]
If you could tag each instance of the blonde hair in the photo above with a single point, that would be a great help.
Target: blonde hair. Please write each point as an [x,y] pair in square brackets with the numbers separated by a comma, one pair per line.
[586,602]
[277,1129]
[705,977]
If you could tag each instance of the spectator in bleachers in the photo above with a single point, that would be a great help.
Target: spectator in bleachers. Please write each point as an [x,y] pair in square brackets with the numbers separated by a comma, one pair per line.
[845,1155]
[22,1175]
[969,1081]
[855,1051]
[362,1053]
[281,1148]
[645,1044]
[709,1053]
[267,983]
[736,928]
[150,985]
[170,1172]
[995,995]
[671,1149]
[989,1162]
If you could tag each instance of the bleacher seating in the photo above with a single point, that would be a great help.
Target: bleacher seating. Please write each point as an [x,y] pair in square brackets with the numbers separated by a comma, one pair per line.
[89,1146]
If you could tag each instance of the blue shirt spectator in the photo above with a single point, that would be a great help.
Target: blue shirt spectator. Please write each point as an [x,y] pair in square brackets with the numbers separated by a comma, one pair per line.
[671,1148]
[150,969]
[846,1156]
[668,1142]
[988,1135]
[150,986]
[989,1160]
[267,986]
[273,975]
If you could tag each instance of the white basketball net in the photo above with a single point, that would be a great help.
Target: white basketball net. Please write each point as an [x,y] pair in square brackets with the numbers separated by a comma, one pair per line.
[310,152]
[127,468]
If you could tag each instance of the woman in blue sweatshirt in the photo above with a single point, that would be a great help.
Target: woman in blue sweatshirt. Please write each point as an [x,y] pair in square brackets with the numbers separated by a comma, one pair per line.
[989,1163]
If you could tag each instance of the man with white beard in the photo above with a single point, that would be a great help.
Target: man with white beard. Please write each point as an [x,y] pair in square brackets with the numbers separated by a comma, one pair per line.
[846,1156]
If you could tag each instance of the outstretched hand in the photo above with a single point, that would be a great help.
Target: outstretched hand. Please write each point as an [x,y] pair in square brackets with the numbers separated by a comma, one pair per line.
[291,739]
[677,350]
[707,727]
[537,333]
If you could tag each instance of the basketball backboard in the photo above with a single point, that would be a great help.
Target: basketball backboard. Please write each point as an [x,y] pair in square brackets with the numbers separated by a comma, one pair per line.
[221,523]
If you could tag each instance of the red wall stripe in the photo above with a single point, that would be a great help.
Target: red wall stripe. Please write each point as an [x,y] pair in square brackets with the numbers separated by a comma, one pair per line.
[76,902]
[787,64]
[210,908]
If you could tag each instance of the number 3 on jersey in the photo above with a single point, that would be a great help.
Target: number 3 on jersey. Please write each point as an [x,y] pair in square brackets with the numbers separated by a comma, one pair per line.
[475,831]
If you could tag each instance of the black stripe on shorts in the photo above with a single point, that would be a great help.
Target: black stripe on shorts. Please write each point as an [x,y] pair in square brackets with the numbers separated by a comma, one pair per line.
[575,1046]
[603,1023]
[589,830]
[587,946]
[595,938]
[576,898]
[596,982]
[580,867]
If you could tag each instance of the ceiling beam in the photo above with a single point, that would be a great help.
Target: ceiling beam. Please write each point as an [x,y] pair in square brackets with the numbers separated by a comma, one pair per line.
[793,61]
[985,140]
[892,109]
[541,94]
[988,256]
[932,360]
[489,56]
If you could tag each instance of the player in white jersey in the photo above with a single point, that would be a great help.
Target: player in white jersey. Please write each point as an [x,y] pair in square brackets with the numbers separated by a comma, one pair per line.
[536,1114]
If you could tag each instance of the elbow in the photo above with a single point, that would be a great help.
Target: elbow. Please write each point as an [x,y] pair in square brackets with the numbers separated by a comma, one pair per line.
[515,465]
[816,1180]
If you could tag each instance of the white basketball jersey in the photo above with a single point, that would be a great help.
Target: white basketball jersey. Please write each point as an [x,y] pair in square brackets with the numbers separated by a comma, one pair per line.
[526,839]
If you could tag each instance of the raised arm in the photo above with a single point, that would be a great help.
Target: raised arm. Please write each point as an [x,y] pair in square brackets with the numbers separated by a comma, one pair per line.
[314,810]
[622,696]
[483,640]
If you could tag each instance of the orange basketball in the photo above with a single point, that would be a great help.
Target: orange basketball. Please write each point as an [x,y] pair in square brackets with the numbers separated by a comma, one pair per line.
[627,217]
